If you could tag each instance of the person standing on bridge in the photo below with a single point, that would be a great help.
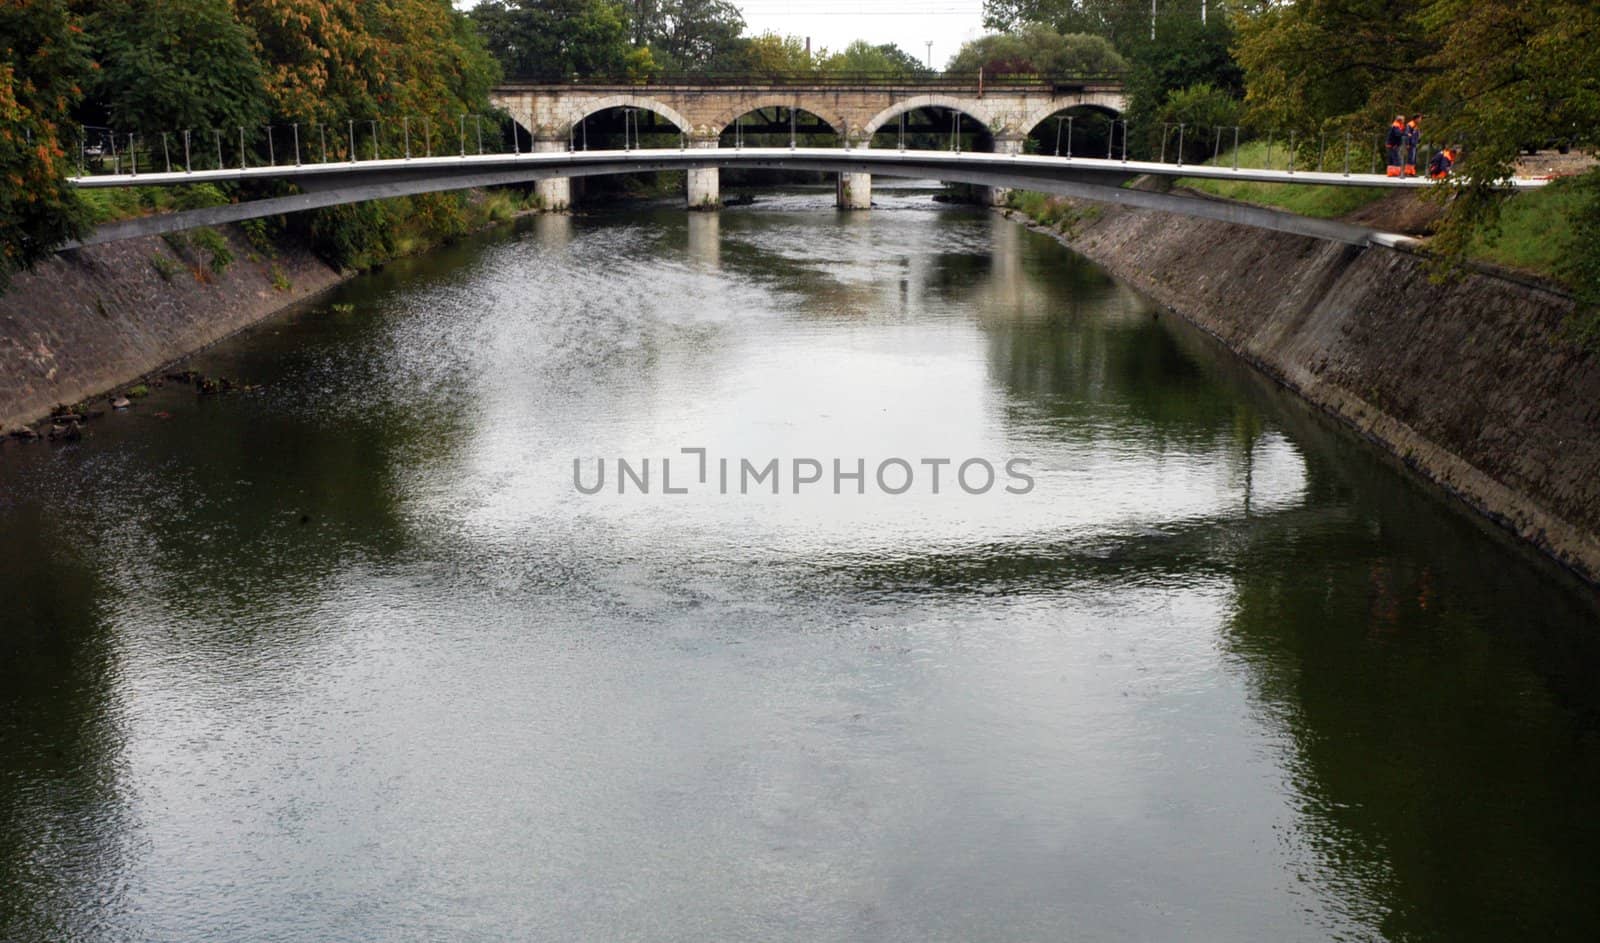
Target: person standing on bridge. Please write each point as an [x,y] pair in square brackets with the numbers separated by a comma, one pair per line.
[1439,166]
[1413,140]
[1393,143]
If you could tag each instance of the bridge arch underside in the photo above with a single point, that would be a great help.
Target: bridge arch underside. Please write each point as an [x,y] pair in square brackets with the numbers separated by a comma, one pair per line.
[1075,131]
[777,124]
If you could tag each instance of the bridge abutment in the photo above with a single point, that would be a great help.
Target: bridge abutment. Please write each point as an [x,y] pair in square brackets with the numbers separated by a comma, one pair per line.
[554,193]
[703,190]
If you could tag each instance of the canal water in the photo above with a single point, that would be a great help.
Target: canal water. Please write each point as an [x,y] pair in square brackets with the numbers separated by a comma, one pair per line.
[350,657]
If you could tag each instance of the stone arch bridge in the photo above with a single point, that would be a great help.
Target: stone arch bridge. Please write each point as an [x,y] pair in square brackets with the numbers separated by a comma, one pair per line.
[1009,109]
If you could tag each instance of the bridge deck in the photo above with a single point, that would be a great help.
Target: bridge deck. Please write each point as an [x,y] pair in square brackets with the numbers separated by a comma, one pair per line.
[913,163]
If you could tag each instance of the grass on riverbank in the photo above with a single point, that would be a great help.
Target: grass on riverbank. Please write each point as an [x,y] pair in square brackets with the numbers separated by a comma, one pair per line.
[1321,202]
[1535,230]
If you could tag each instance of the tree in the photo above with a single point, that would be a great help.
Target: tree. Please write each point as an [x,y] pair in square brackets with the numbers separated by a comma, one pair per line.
[771,54]
[1038,49]
[172,64]
[556,38]
[697,34]
[1355,63]
[885,59]
[42,63]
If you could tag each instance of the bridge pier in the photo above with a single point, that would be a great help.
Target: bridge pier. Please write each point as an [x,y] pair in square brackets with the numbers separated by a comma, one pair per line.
[854,192]
[1004,144]
[554,193]
[703,189]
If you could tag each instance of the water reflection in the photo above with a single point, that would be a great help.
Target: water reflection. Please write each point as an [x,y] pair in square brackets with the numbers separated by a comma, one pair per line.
[349,657]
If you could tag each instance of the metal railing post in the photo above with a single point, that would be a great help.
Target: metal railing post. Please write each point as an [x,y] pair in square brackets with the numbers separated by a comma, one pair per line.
[352,129]
[1291,152]
[186,167]
[461,132]
[133,157]
[1165,130]
[272,156]
[1069,137]
[1347,153]
[1124,140]
[165,154]
[374,123]
[1216,149]
[427,135]
[322,136]
[405,132]
[1235,147]
[477,124]
[1180,144]
[296,127]
[241,149]
[218,133]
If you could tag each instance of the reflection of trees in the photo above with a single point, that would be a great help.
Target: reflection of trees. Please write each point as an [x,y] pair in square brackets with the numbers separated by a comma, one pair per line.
[60,813]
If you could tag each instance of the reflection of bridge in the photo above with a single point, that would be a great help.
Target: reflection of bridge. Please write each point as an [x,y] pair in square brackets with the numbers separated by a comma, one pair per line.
[1007,108]
[339,182]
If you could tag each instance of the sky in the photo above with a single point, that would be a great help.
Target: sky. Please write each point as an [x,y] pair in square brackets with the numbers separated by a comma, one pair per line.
[909,24]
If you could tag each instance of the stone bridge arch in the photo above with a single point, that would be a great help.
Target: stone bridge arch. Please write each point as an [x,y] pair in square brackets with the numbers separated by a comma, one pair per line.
[582,108]
[724,119]
[1039,115]
[974,108]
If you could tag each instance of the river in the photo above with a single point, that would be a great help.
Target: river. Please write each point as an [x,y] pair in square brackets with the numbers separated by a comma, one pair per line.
[352,657]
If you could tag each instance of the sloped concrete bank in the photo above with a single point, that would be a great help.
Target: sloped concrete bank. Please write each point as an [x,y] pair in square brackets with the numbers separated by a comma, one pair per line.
[1470,382]
[95,319]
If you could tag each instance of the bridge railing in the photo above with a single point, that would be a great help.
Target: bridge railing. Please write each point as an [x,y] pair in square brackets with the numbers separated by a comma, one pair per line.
[832,79]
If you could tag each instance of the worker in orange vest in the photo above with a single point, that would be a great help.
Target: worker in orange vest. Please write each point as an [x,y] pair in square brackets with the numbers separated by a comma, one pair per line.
[1392,144]
[1413,140]
[1439,167]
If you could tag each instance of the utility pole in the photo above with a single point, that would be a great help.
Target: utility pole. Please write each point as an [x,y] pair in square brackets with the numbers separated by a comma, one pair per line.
[1202,12]
[1152,20]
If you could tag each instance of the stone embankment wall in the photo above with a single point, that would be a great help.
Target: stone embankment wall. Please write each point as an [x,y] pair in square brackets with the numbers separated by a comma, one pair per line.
[1471,382]
[91,320]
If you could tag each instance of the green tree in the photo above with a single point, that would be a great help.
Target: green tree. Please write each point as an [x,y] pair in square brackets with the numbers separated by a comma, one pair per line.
[172,64]
[556,38]
[697,35]
[1038,49]
[884,59]
[770,53]
[42,63]
[1354,63]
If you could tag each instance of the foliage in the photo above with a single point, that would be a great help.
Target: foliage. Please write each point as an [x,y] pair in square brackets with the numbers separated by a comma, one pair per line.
[1354,63]
[1038,49]
[165,267]
[172,64]
[42,62]
[1304,199]
[114,203]
[687,35]
[1204,109]
[556,38]
[884,59]
[329,61]
[1121,21]
[213,244]
[1581,269]
[771,53]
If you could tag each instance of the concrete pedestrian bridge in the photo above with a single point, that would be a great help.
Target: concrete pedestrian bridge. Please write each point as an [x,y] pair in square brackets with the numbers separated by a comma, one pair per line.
[855,108]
